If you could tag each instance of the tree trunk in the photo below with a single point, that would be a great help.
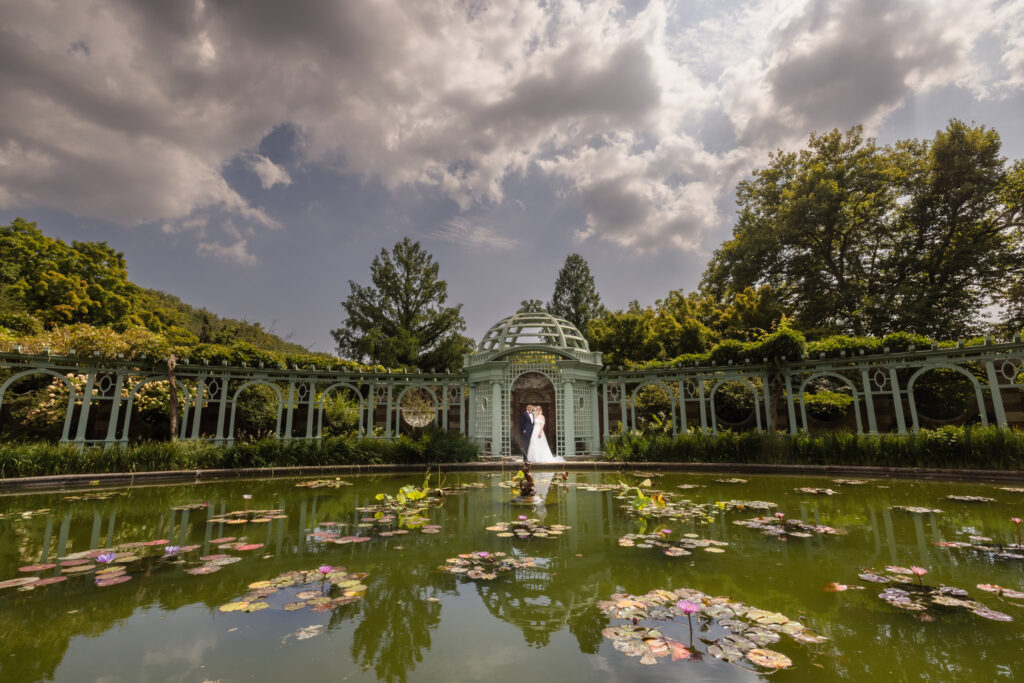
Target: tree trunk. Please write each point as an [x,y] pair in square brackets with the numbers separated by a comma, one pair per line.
[171,364]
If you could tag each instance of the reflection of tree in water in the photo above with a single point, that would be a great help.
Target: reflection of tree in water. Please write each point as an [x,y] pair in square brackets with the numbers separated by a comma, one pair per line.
[395,620]
[540,605]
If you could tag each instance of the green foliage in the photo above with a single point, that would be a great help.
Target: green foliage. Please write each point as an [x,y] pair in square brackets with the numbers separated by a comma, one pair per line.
[575,297]
[28,459]
[401,320]
[902,341]
[734,402]
[638,335]
[185,325]
[827,405]
[862,239]
[57,283]
[257,409]
[341,413]
[948,447]
[46,282]
[20,323]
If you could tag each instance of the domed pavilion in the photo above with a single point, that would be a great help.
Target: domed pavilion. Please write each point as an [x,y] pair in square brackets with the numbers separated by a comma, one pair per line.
[534,358]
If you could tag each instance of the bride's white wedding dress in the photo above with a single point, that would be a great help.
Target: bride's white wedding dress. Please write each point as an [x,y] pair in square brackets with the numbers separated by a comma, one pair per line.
[539,450]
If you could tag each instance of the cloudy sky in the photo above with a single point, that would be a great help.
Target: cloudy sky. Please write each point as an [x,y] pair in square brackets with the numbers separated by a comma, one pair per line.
[251,156]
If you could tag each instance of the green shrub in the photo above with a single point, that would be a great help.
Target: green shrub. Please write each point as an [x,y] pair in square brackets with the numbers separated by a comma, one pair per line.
[20,323]
[971,447]
[827,405]
[26,459]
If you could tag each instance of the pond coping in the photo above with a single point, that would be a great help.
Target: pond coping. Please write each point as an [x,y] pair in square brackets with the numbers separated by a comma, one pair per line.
[66,481]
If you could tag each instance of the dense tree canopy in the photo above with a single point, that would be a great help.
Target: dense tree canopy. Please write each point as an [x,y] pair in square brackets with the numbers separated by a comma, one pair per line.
[45,282]
[401,320]
[861,239]
[575,297]
[59,283]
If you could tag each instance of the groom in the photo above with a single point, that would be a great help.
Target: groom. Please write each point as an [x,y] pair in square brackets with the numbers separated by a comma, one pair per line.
[526,427]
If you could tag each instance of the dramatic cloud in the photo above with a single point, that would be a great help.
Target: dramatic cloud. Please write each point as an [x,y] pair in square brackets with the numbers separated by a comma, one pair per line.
[131,111]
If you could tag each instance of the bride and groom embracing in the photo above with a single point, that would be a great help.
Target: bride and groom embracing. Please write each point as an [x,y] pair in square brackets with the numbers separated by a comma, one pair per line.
[535,443]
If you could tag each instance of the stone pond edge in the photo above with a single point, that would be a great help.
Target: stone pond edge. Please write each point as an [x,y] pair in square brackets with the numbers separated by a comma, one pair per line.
[78,481]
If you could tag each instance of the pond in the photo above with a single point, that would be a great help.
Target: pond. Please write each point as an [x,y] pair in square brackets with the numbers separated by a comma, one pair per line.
[165,584]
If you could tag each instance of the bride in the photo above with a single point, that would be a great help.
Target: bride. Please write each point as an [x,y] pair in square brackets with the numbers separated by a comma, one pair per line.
[539,451]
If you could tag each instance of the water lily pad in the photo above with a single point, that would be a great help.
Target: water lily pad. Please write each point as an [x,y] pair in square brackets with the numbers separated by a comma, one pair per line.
[769,659]
[77,569]
[250,546]
[992,614]
[971,499]
[73,563]
[36,567]
[916,509]
[255,606]
[48,580]
[112,581]
[224,561]
[204,569]
[233,606]
[20,581]
[293,606]
[226,539]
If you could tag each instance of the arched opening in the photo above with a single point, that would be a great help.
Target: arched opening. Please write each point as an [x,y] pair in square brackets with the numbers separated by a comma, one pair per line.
[734,402]
[654,409]
[828,400]
[341,411]
[945,396]
[533,388]
[148,415]
[39,404]
[257,411]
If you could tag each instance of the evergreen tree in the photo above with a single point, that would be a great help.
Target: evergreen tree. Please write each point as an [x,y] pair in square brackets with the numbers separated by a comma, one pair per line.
[401,320]
[575,297]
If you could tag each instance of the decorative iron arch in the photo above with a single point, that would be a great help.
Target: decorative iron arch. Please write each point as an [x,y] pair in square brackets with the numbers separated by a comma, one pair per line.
[926,368]
[753,391]
[653,383]
[72,394]
[844,380]
[433,402]
[323,400]
[135,392]
[234,406]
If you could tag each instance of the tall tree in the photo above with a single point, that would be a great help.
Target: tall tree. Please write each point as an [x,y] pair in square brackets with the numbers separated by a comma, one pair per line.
[862,239]
[401,320]
[575,297]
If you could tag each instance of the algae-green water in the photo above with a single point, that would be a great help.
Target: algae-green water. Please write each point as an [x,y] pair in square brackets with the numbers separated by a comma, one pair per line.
[410,620]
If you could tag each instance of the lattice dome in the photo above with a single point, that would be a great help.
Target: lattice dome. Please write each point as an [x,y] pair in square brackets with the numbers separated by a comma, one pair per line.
[533,325]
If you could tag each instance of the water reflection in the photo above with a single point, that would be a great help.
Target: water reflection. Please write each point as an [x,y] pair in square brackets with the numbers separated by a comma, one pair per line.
[396,629]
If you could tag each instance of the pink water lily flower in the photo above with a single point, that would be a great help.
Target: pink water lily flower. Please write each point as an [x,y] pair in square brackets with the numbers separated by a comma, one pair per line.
[325,569]
[483,553]
[688,607]
[522,518]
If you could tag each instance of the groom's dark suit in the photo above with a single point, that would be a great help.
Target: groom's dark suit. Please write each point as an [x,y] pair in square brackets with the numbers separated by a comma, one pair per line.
[526,427]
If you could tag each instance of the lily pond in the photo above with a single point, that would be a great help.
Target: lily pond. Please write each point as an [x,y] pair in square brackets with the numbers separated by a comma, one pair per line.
[605,576]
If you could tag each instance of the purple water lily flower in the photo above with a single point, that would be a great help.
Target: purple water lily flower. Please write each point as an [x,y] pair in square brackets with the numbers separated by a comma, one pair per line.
[106,558]
[171,549]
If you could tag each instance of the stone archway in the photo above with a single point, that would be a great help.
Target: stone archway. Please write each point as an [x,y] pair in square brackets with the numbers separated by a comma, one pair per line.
[534,388]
